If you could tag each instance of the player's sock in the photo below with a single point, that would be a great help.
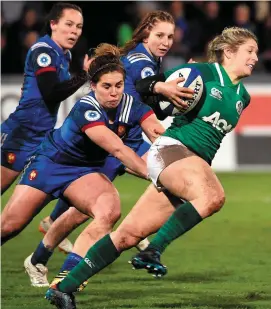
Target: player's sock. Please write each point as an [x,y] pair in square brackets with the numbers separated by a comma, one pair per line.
[59,209]
[98,257]
[41,255]
[71,261]
[184,218]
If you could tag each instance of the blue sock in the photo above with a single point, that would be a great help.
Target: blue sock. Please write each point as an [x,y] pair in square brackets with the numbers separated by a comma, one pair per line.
[41,255]
[71,261]
[59,209]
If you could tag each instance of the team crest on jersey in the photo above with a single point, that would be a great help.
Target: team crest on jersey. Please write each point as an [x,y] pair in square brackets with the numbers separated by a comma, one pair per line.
[33,175]
[239,107]
[44,60]
[121,131]
[147,72]
[217,94]
[92,115]
[11,157]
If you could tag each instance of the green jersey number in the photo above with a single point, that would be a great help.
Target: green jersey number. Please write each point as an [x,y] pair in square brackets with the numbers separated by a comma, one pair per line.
[219,124]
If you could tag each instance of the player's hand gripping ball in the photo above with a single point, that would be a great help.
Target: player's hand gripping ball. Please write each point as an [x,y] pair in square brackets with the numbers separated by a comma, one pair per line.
[193,80]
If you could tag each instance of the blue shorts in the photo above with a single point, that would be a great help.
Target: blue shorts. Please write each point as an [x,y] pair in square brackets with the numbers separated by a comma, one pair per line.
[113,167]
[15,160]
[15,151]
[50,177]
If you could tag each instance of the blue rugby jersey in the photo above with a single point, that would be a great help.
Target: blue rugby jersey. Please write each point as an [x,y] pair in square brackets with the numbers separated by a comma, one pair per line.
[138,63]
[32,119]
[70,145]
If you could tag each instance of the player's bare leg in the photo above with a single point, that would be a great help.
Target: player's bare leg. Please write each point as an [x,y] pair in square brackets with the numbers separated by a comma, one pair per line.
[65,245]
[205,196]
[21,208]
[8,176]
[63,226]
[102,203]
[155,215]
[158,210]
[143,244]
[35,264]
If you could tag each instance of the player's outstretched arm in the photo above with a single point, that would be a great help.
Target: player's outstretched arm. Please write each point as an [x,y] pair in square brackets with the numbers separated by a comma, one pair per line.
[152,127]
[110,142]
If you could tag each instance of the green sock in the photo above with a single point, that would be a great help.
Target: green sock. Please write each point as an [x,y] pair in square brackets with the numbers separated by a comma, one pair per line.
[98,257]
[184,218]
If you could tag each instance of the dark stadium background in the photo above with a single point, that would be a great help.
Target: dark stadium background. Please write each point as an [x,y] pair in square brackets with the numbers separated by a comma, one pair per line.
[103,19]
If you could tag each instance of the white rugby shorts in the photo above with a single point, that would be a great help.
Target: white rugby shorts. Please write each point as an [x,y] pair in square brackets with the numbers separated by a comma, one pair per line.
[155,162]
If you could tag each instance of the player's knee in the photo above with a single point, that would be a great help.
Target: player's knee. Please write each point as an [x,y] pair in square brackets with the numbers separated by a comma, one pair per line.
[111,217]
[215,201]
[10,226]
[108,216]
[111,212]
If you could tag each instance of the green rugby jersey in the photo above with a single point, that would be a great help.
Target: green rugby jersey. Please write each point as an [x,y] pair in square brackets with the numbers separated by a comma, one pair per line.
[221,109]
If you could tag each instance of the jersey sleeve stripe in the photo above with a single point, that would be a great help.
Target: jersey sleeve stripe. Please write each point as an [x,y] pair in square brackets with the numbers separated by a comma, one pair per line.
[84,100]
[89,101]
[123,115]
[137,57]
[125,112]
[91,125]
[94,102]
[47,69]
[123,105]
[146,115]
[40,44]
[128,108]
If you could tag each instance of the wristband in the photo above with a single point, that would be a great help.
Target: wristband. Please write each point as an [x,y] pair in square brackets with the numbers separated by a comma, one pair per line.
[152,84]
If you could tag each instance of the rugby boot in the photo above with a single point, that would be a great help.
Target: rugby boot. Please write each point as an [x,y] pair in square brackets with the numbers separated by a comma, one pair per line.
[58,278]
[60,299]
[37,273]
[150,260]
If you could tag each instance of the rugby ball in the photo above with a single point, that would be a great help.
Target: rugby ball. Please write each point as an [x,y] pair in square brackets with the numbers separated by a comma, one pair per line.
[192,80]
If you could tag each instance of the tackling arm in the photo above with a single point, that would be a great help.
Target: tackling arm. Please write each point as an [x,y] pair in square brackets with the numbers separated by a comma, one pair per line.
[152,127]
[109,141]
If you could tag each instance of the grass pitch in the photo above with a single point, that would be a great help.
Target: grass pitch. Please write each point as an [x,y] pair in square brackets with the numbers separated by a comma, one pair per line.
[223,263]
